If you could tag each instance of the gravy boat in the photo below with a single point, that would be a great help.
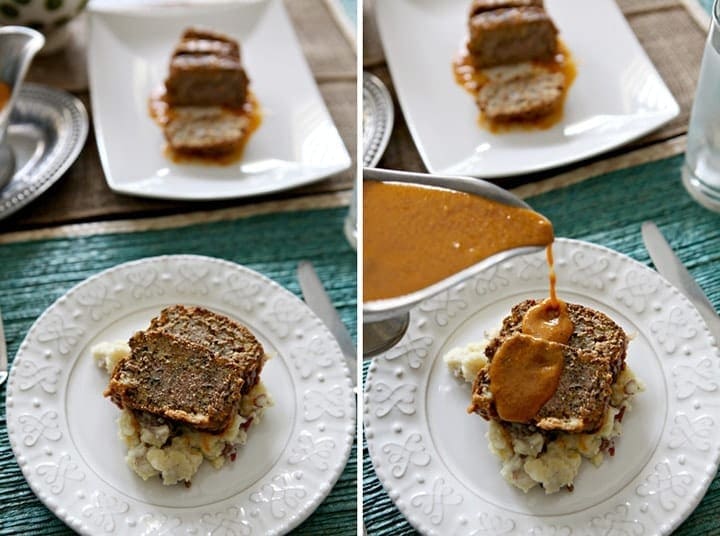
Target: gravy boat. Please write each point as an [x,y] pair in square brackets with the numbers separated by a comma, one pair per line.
[385,321]
[18,46]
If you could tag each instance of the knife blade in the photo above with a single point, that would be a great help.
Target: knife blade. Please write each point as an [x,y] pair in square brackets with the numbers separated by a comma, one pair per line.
[318,300]
[671,268]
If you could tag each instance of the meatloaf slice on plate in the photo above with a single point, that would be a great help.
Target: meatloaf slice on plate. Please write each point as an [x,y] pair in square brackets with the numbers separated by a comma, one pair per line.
[579,402]
[204,130]
[511,35]
[218,333]
[205,70]
[593,331]
[593,357]
[524,98]
[175,379]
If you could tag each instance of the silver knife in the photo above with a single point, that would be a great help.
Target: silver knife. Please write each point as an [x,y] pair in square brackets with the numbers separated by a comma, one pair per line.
[318,300]
[672,269]
[3,354]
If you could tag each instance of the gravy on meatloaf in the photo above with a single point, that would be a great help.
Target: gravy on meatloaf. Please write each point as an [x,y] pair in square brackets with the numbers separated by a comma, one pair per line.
[524,374]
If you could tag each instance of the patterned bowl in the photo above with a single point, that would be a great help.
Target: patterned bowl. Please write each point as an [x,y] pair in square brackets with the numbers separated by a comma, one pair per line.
[51,17]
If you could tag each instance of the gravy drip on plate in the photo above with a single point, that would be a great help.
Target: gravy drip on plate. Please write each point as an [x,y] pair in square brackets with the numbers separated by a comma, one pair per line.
[473,79]
[162,112]
[416,235]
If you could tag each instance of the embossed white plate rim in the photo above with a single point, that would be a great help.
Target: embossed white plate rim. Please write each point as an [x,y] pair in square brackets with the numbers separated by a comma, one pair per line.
[396,441]
[79,505]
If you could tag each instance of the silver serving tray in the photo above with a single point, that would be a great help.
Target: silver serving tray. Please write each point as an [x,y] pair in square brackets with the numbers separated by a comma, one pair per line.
[378,118]
[47,131]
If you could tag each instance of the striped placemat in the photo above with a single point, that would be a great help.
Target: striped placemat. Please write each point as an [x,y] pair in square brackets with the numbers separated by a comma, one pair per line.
[34,273]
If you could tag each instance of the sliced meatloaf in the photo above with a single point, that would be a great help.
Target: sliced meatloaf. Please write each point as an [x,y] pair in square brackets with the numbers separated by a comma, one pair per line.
[217,333]
[205,70]
[593,357]
[527,97]
[511,35]
[593,331]
[204,130]
[176,379]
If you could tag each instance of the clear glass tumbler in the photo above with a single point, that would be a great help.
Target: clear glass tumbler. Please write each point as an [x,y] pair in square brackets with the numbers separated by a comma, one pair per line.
[351,223]
[701,172]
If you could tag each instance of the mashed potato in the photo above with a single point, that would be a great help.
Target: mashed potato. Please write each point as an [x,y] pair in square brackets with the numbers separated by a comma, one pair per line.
[466,362]
[107,354]
[154,449]
[529,459]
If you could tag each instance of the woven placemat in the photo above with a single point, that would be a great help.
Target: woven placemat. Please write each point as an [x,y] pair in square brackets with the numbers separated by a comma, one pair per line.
[608,210]
[33,274]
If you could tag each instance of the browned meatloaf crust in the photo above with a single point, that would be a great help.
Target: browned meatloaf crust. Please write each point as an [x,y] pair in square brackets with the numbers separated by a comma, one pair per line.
[481,6]
[217,333]
[524,98]
[177,380]
[205,70]
[593,357]
[511,35]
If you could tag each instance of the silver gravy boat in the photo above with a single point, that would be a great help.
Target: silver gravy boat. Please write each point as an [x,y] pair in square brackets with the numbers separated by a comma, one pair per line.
[385,321]
[18,46]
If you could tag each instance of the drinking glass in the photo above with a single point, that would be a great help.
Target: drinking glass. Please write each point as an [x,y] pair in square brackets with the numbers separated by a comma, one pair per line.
[701,171]
[351,223]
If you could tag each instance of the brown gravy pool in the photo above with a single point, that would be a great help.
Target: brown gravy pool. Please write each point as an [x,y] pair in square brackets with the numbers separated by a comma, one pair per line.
[161,112]
[416,235]
[472,80]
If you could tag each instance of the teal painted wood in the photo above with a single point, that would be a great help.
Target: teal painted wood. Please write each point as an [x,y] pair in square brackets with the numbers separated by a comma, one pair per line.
[608,210]
[34,274]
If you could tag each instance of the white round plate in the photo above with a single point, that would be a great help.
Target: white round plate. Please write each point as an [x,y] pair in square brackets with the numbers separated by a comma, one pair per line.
[433,457]
[64,433]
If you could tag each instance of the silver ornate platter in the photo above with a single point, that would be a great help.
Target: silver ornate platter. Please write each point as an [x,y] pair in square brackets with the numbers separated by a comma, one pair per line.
[378,118]
[47,131]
